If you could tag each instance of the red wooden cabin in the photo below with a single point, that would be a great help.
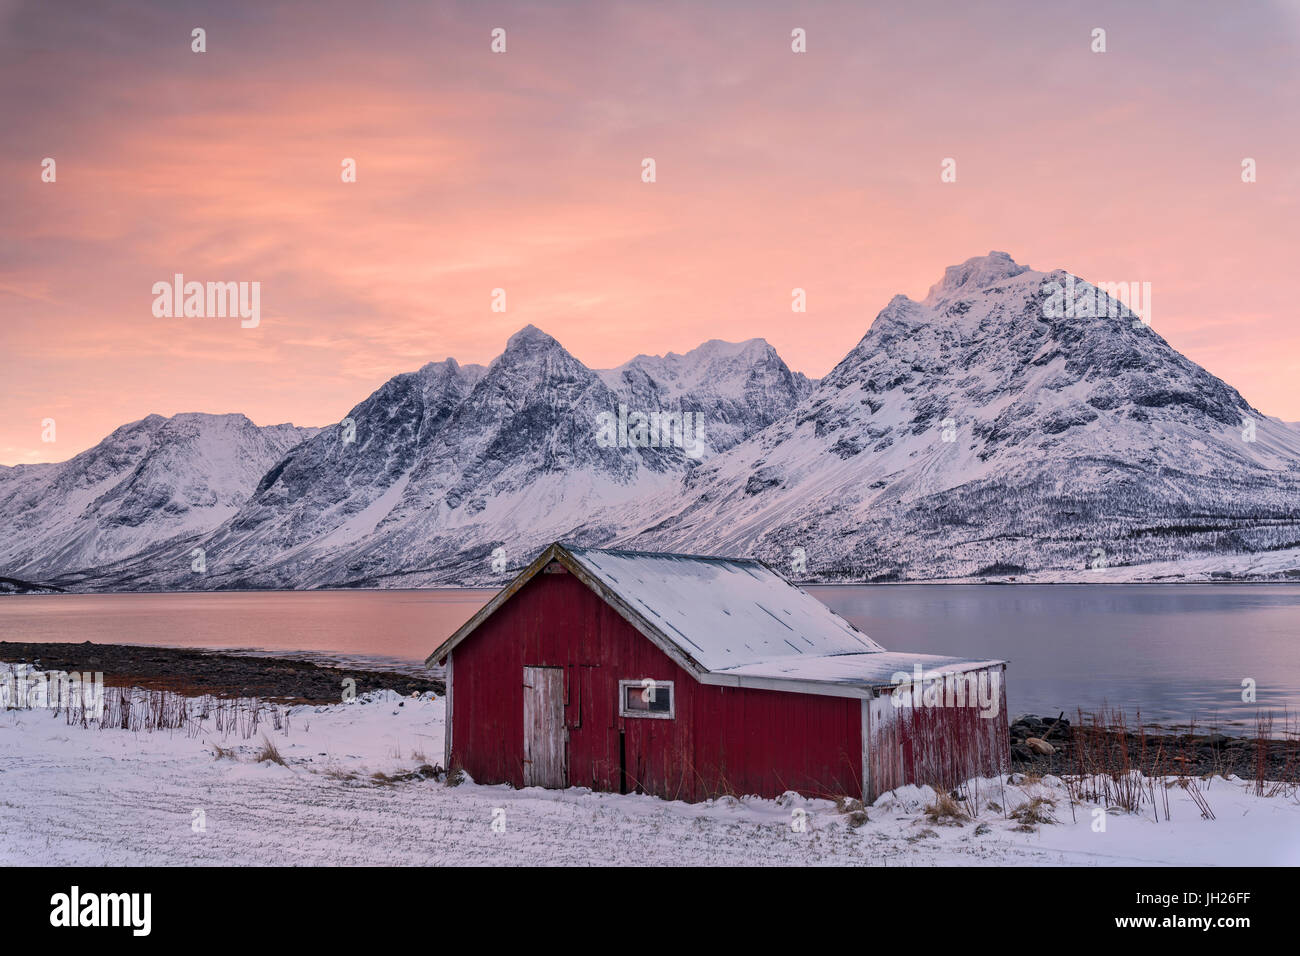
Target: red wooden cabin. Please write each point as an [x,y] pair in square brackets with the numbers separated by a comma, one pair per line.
[689,677]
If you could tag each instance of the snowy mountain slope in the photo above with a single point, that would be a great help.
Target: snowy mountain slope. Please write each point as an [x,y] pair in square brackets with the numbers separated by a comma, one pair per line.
[149,480]
[334,489]
[1075,442]
[740,388]
[448,465]
[517,463]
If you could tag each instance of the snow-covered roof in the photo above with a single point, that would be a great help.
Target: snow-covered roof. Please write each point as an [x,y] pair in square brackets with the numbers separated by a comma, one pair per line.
[729,621]
[724,612]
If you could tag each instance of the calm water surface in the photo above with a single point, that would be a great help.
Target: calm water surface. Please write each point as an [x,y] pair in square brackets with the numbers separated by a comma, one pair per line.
[1172,651]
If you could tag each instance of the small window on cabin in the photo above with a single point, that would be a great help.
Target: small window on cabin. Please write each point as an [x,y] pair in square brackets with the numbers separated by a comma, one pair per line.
[646,698]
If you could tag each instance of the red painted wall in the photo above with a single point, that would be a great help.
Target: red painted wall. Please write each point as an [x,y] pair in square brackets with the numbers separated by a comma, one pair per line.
[722,740]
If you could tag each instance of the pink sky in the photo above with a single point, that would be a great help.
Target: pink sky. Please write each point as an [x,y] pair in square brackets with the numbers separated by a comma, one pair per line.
[522,171]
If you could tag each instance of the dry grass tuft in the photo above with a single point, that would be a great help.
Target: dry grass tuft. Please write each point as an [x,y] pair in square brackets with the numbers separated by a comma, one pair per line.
[223,753]
[269,753]
[1036,811]
[946,811]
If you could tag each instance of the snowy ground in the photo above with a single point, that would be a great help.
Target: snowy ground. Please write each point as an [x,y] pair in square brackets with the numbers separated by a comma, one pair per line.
[70,795]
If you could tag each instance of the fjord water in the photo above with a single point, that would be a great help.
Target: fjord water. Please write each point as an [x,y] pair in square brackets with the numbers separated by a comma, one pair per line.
[1173,652]
[384,627]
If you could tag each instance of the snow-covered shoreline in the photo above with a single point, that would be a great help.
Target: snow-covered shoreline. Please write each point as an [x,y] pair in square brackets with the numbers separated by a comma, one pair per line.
[83,796]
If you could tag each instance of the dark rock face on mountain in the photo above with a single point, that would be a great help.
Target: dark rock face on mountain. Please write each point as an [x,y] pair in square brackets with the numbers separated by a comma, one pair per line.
[345,476]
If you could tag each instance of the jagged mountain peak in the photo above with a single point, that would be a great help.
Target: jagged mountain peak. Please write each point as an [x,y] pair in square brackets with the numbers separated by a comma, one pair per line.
[698,363]
[721,348]
[985,428]
[530,339]
[977,272]
[1011,344]
[532,358]
[738,387]
[449,367]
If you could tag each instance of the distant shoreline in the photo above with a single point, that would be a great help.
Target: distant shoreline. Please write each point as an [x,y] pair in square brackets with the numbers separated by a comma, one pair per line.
[194,672]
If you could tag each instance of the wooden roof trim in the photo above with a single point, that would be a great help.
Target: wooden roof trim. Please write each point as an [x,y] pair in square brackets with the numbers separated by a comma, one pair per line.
[487,610]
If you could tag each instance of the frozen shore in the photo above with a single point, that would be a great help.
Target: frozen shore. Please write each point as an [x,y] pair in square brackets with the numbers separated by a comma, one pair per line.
[350,791]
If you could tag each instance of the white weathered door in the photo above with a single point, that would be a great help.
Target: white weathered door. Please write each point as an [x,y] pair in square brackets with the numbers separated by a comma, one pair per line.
[544,728]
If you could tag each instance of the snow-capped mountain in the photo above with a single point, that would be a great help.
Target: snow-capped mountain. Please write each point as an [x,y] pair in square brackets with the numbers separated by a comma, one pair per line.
[485,456]
[148,481]
[450,463]
[338,484]
[1013,423]
[740,388]
[981,431]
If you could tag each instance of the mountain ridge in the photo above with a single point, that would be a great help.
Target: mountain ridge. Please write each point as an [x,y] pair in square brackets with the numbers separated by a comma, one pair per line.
[425,443]
[980,355]
[154,477]
[980,432]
